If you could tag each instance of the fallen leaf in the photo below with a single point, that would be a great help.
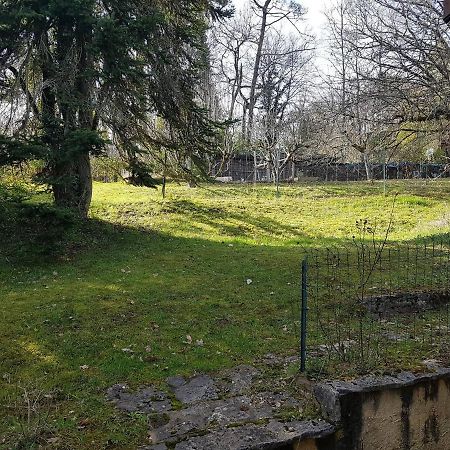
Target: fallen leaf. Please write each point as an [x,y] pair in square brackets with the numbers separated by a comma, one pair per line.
[82,424]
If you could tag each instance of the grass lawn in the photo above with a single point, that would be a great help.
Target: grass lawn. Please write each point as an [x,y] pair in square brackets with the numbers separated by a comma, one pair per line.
[116,302]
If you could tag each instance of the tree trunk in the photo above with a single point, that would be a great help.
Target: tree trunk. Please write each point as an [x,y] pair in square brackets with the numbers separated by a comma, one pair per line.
[255,167]
[73,189]
[252,98]
[72,186]
[367,167]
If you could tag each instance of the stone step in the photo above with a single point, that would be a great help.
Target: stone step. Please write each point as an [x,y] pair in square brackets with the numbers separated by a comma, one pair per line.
[273,435]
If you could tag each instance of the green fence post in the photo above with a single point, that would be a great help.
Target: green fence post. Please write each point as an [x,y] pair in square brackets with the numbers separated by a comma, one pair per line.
[304,315]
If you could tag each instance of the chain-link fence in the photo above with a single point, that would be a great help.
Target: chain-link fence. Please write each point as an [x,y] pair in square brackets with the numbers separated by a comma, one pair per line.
[241,168]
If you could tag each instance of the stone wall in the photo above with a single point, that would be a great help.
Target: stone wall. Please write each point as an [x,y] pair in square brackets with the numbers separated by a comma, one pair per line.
[406,412]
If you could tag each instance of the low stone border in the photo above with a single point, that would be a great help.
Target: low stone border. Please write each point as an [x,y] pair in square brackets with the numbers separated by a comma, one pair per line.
[232,411]
[392,412]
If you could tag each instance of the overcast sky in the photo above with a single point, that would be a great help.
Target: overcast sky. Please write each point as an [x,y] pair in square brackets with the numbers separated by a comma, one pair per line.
[315,18]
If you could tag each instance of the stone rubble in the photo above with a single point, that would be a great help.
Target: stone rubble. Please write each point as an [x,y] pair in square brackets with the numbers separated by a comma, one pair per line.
[231,411]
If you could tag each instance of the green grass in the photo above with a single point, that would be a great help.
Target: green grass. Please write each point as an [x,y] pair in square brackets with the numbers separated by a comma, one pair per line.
[147,272]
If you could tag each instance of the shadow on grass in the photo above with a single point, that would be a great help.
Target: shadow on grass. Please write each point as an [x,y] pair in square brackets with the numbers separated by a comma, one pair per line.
[89,304]
[104,288]
[217,218]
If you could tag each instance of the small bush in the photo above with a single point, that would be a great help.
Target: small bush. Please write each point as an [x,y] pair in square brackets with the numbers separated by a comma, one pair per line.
[31,229]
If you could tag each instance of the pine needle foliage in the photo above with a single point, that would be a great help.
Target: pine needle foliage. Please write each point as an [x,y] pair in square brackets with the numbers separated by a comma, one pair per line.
[78,77]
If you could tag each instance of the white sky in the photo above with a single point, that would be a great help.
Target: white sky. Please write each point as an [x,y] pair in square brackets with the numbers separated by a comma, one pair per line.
[315,18]
[315,22]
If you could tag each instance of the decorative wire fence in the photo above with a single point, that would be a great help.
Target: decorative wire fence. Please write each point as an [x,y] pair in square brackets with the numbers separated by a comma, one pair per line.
[371,304]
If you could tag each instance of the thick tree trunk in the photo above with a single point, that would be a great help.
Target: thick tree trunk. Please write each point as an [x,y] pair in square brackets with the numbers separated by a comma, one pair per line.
[73,178]
[74,186]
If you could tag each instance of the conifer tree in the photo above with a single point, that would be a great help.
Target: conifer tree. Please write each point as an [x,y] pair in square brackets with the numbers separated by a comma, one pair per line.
[73,73]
